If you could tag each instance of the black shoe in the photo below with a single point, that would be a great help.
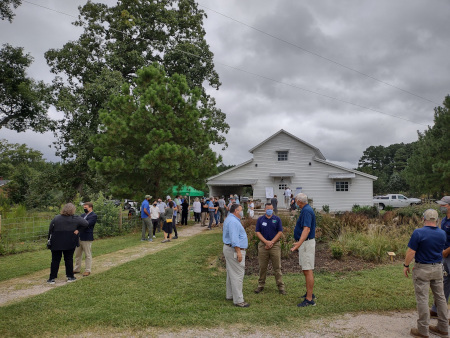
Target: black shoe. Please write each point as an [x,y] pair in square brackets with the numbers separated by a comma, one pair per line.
[433,314]
[175,237]
[243,304]
[51,281]
[71,279]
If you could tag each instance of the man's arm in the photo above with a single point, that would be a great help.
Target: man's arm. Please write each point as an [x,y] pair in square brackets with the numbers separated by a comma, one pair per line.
[303,237]
[446,252]
[410,253]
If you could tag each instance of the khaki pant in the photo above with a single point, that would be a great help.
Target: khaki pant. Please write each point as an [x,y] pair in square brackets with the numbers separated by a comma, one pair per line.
[273,255]
[85,246]
[204,218]
[426,276]
[235,274]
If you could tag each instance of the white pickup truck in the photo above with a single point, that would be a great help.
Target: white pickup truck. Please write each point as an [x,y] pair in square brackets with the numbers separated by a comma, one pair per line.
[394,200]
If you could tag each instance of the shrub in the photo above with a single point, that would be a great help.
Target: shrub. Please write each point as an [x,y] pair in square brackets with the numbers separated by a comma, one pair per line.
[330,226]
[326,208]
[336,250]
[369,211]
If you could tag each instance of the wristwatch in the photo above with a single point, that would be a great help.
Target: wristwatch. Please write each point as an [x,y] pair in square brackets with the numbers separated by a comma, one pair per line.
[406,266]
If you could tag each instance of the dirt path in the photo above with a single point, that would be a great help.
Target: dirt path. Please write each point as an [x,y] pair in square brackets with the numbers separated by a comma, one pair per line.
[14,290]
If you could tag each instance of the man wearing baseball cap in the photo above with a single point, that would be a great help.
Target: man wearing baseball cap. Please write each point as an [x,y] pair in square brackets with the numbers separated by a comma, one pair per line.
[445,225]
[146,220]
[426,246]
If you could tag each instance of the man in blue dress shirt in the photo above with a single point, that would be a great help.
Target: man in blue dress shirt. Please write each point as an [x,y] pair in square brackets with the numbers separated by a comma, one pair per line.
[235,243]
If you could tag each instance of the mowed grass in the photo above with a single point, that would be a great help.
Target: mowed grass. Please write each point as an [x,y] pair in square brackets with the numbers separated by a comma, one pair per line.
[184,287]
[18,265]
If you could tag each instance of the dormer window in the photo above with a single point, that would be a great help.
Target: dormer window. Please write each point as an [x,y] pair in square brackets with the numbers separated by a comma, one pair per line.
[282,155]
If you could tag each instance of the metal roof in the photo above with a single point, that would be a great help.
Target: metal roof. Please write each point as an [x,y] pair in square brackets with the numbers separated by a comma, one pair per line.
[282,174]
[342,175]
[238,182]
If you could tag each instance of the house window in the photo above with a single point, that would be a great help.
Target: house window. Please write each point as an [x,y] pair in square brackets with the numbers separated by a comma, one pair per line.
[342,186]
[282,186]
[282,156]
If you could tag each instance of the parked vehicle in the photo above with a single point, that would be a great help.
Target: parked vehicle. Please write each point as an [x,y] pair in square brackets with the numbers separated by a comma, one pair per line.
[395,201]
[131,206]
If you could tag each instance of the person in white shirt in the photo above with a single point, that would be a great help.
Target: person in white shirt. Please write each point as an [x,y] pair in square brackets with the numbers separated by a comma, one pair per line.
[154,214]
[197,206]
[287,197]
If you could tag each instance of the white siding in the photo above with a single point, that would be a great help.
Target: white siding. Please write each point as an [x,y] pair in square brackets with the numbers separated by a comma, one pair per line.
[312,178]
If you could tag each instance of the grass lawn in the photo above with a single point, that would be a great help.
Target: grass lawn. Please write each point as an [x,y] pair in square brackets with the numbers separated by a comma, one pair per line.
[184,287]
[25,263]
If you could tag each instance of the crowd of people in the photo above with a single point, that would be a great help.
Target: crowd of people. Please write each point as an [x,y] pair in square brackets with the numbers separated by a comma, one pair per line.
[429,246]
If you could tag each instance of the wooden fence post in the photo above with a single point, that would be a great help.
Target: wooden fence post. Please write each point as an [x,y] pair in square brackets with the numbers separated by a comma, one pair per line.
[120,218]
[0,225]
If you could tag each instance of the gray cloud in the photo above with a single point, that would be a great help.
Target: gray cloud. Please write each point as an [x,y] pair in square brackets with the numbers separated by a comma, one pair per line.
[405,43]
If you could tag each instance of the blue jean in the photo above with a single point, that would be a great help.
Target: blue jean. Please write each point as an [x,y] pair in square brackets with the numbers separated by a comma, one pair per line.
[446,263]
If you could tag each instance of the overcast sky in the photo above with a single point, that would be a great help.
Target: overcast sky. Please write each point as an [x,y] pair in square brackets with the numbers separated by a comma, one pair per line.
[403,43]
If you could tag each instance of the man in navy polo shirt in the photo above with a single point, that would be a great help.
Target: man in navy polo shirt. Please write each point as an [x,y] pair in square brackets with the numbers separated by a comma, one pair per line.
[304,234]
[269,231]
[445,225]
[426,246]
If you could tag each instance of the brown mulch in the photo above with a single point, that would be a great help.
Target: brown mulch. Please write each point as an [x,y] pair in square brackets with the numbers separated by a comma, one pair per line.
[324,262]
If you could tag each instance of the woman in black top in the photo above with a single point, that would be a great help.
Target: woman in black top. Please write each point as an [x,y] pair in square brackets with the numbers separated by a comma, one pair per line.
[64,230]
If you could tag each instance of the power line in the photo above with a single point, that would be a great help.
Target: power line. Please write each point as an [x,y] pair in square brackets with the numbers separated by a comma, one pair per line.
[254,74]
[318,55]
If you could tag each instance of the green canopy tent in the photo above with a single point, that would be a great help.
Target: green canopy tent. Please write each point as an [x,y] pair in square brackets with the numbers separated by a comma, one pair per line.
[187,191]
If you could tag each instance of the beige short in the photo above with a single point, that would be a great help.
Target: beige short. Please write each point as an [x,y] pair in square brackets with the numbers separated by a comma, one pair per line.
[306,254]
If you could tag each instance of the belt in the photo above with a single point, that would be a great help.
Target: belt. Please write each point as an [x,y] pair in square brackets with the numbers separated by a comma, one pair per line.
[231,246]
[308,239]
[428,263]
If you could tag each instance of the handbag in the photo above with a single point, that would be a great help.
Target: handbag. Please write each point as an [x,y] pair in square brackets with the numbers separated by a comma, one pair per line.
[49,242]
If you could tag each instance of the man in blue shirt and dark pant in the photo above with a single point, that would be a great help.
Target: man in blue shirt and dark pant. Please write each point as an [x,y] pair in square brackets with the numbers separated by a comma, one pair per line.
[426,246]
[235,243]
[269,230]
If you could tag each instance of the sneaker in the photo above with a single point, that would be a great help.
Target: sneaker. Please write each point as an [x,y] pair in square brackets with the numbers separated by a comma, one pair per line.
[243,304]
[438,332]
[150,240]
[164,241]
[313,297]
[143,240]
[259,289]
[51,281]
[306,303]
[175,237]
[71,279]
[154,236]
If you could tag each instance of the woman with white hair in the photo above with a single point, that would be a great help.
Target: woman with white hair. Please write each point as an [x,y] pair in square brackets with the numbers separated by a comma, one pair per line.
[251,208]
[63,234]
[197,206]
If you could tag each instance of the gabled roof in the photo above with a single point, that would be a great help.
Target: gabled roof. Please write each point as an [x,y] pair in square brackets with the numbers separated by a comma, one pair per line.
[346,169]
[231,169]
[316,150]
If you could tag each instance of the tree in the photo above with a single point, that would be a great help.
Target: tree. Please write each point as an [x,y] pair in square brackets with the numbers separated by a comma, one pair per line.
[387,163]
[23,101]
[5,9]
[428,169]
[154,135]
[118,41]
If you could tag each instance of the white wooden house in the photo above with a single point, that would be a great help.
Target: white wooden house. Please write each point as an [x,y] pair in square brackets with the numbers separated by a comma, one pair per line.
[283,160]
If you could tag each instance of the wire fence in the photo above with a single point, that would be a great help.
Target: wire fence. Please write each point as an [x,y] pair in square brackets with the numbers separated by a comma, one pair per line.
[30,233]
